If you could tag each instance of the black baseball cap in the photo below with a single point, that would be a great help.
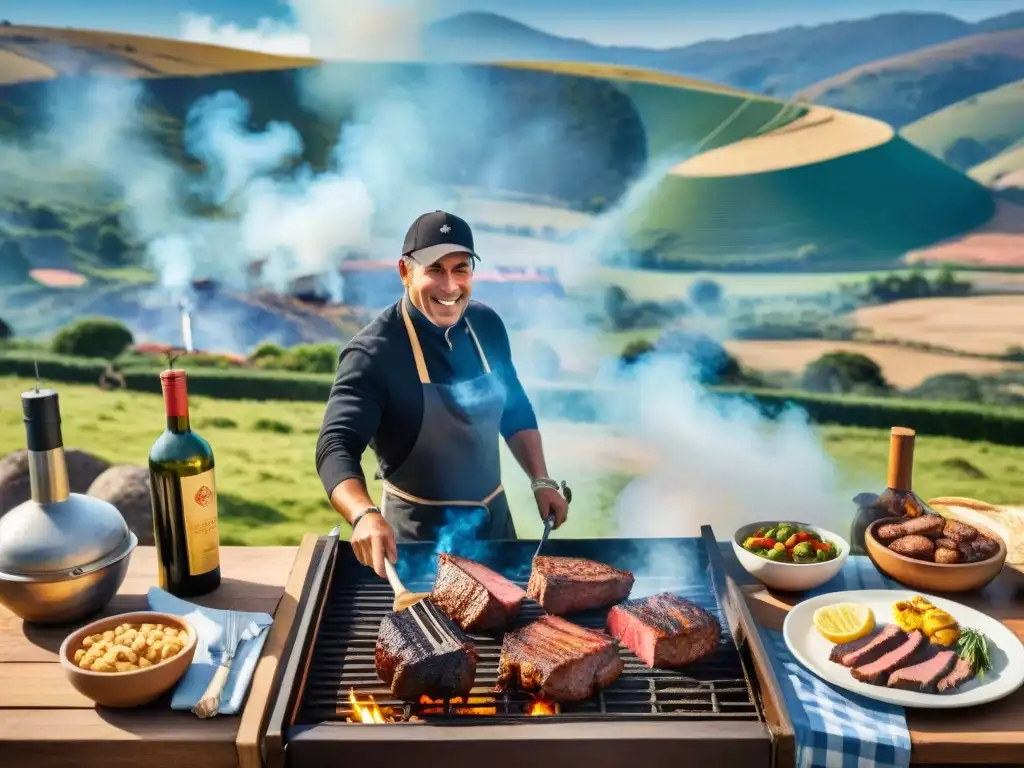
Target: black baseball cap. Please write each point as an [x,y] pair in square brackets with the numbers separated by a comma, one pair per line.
[434,235]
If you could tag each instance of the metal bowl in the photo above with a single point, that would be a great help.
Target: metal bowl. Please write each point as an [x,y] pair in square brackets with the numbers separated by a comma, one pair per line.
[70,595]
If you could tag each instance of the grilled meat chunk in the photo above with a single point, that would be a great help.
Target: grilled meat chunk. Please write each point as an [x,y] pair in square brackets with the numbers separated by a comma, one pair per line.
[407,661]
[925,675]
[558,660]
[958,531]
[960,674]
[914,545]
[984,547]
[925,525]
[944,542]
[568,584]
[867,649]
[878,671]
[664,631]
[475,597]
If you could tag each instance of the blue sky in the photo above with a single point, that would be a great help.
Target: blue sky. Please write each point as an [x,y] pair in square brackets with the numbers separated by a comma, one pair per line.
[657,23]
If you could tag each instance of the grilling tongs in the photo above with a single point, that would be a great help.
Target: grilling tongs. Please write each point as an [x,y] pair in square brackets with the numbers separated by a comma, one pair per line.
[427,615]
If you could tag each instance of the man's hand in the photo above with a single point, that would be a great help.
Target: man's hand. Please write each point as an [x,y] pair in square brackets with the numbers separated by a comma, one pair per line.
[550,503]
[372,539]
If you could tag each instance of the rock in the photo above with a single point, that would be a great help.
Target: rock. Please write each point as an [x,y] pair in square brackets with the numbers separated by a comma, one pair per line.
[15,487]
[126,486]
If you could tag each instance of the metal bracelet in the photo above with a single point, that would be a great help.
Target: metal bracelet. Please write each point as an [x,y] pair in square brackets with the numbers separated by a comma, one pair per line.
[364,513]
[554,485]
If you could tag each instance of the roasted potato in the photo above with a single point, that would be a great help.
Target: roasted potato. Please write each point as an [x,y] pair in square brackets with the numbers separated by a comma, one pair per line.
[925,525]
[947,555]
[958,531]
[128,648]
[984,547]
[915,545]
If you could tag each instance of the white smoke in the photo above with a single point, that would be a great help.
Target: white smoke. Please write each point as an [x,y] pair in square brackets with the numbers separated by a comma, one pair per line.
[353,30]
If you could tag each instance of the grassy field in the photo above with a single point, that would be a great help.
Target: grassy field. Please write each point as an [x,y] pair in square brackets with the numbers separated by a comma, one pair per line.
[996,115]
[902,367]
[1006,168]
[984,324]
[270,493]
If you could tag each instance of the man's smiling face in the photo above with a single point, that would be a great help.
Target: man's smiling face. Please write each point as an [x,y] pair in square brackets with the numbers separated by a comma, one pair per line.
[440,290]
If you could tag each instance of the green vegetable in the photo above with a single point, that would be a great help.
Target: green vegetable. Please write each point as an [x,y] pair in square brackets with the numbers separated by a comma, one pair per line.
[778,555]
[783,532]
[973,648]
[804,552]
[769,534]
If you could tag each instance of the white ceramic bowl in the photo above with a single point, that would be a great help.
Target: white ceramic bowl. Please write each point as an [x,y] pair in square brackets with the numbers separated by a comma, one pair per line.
[789,577]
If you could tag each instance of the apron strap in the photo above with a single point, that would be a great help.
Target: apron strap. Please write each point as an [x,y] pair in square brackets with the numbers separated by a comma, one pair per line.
[417,349]
[388,487]
[479,349]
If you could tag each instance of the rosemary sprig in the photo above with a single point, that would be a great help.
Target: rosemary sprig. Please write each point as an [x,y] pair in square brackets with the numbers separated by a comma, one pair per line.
[973,648]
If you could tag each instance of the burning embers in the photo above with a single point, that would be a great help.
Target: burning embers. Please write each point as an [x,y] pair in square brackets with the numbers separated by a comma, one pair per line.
[474,706]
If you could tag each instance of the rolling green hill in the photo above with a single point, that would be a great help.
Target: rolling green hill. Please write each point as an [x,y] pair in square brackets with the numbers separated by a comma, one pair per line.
[906,88]
[974,130]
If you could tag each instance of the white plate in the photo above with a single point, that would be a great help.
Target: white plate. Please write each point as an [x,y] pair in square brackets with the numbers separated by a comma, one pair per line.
[1005,650]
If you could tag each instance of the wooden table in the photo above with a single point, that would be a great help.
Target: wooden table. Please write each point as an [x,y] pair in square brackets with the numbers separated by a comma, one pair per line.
[45,722]
[992,734]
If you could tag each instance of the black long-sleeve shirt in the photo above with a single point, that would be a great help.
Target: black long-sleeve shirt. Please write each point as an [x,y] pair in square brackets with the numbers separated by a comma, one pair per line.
[377,398]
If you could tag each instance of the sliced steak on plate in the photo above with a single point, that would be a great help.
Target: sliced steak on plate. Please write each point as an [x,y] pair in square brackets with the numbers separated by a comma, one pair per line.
[409,664]
[569,584]
[960,674]
[475,597]
[558,660]
[664,631]
[867,649]
[877,672]
[924,675]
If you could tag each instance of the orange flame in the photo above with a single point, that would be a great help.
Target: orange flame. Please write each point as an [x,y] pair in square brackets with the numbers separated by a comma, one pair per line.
[474,705]
[539,707]
[366,713]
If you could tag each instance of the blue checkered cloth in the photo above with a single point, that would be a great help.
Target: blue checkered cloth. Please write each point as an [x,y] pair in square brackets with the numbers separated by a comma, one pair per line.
[835,728]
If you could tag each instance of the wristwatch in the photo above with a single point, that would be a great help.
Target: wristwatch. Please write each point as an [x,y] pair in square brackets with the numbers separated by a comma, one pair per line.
[364,513]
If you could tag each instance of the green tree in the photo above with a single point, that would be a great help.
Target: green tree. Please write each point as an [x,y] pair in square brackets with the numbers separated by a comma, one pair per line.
[93,337]
[844,373]
[6,332]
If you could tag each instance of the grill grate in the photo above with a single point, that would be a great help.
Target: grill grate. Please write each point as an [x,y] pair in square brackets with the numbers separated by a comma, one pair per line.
[356,601]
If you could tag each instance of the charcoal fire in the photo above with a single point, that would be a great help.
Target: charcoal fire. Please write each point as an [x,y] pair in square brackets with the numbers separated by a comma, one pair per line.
[542,707]
[473,705]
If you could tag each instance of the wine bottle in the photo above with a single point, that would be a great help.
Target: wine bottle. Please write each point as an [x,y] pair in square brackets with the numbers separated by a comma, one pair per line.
[184,489]
[898,499]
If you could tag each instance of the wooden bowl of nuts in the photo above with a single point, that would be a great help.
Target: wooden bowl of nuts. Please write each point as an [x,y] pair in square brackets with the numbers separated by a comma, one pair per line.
[130,659]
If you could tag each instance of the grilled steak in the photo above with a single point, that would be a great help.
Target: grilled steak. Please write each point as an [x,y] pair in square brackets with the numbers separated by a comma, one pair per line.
[475,597]
[664,631]
[558,660]
[925,675]
[878,671]
[867,649]
[925,525]
[960,674]
[569,584]
[406,660]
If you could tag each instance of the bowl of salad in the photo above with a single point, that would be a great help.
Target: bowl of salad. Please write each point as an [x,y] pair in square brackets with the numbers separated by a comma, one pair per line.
[788,556]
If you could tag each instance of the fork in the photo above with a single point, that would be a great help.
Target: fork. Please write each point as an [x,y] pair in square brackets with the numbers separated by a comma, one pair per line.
[222,653]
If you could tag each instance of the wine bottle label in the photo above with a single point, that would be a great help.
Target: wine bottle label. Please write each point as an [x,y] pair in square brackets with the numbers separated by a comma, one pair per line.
[199,499]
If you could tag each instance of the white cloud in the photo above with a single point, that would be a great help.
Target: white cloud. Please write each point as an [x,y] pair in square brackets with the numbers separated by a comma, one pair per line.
[269,35]
[366,30]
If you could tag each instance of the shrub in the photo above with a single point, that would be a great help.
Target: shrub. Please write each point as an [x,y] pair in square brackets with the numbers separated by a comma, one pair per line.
[93,337]
[844,373]
[956,387]
[705,294]
[6,332]
[636,350]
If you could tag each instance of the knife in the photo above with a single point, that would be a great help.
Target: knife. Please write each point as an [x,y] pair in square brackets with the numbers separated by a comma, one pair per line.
[547,532]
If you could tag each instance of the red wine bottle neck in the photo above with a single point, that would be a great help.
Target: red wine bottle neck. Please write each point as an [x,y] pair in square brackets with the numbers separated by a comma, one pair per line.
[175,400]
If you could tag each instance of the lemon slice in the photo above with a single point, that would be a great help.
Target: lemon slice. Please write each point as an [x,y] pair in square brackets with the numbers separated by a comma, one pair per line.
[844,622]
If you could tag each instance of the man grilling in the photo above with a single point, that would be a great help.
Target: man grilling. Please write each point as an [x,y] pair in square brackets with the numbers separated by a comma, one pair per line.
[430,386]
